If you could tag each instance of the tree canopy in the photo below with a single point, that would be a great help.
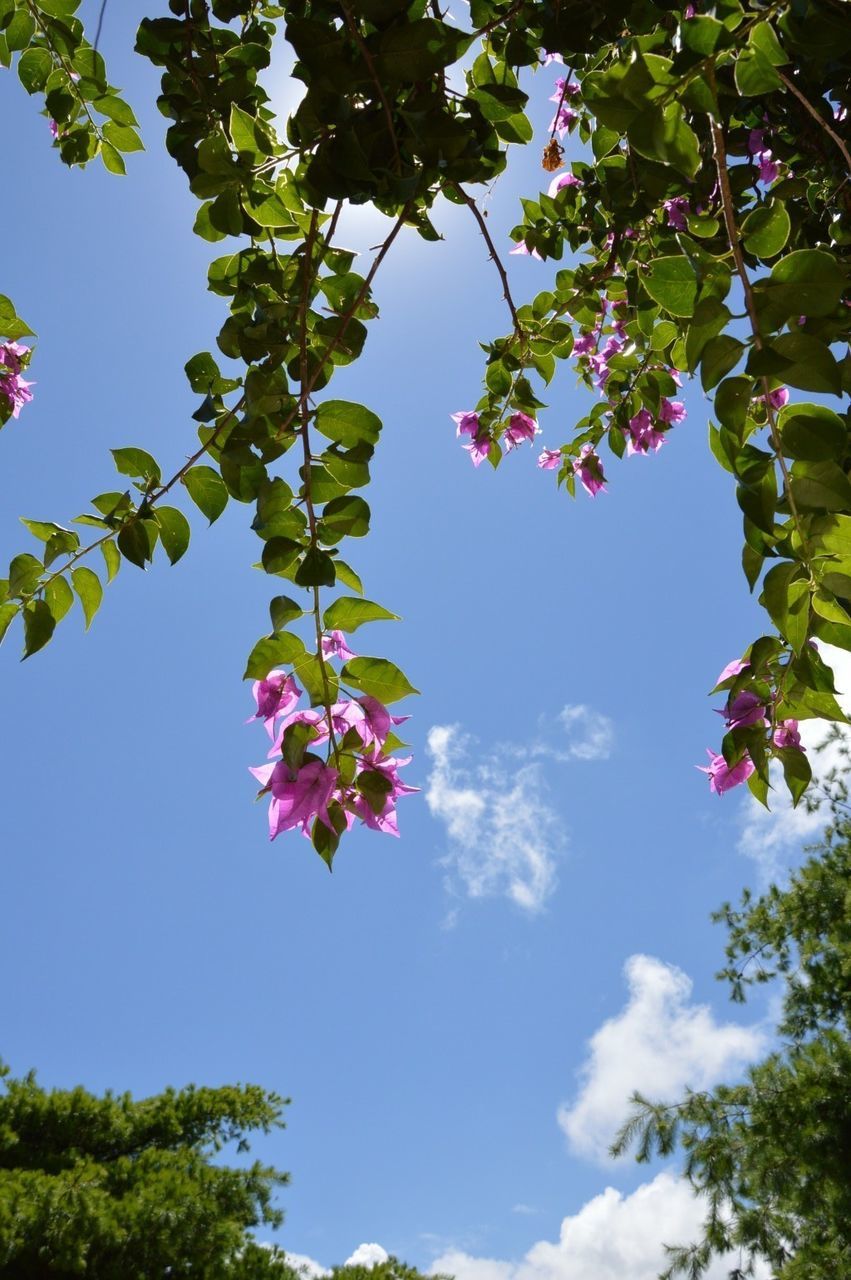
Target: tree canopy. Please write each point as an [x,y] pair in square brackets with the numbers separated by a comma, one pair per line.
[705,219]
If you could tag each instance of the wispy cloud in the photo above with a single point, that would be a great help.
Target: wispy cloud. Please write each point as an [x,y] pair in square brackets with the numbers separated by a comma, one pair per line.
[504,836]
[590,734]
[659,1043]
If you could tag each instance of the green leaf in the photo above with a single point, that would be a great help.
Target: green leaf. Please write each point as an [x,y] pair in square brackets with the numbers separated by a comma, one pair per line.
[59,597]
[133,543]
[348,515]
[720,355]
[319,679]
[136,463]
[19,34]
[766,230]
[786,597]
[248,134]
[24,574]
[754,74]
[297,738]
[88,588]
[207,491]
[122,136]
[34,66]
[347,613]
[279,554]
[811,367]
[283,610]
[821,486]
[811,279]
[112,559]
[39,625]
[672,283]
[796,771]
[348,577]
[316,569]
[112,161]
[7,612]
[812,432]
[174,532]
[379,678]
[282,649]
[662,133]
[346,423]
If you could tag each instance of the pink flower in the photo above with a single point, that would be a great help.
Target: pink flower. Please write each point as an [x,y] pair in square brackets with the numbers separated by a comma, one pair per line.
[334,646]
[297,798]
[589,468]
[689,11]
[520,427]
[777,398]
[479,450]
[562,120]
[551,57]
[723,778]
[786,735]
[671,411]
[587,342]
[743,710]
[734,668]
[563,180]
[643,434]
[522,248]
[377,721]
[767,168]
[549,458]
[468,423]
[677,210]
[563,90]
[385,820]
[756,141]
[274,696]
[13,388]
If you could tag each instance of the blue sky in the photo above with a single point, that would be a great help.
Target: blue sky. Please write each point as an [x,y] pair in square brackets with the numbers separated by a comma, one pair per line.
[430,1030]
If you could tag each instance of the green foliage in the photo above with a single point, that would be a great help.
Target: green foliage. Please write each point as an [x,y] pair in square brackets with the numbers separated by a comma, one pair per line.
[771,1154]
[744,288]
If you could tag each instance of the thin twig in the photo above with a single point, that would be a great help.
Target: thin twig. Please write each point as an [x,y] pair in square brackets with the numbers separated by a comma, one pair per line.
[99,27]
[495,258]
[817,116]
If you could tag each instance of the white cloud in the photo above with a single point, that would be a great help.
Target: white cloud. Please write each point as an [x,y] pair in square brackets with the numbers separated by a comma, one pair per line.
[367,1255]
[591,734]
[776,838]
[503,835]
[659,1043]
[612,1237]
[305,1266]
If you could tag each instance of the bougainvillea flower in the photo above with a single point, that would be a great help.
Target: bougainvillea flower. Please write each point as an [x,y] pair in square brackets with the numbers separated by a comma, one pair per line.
[12,355]
[756,142]
[589,468]
[563,180]
[549,458]
[520,427]
[677,211]
[562,120]
[734,668]
[777,398]
[274,696]
[468,423]
[334,646]
[563,90]
[298,799]
[479,450]
[584,343]
[786,735]
[522,248]
[745,709]
[671,411]
[376,722]
[14,390]
[767,168]
[643,434]
[551,57]
[721,777]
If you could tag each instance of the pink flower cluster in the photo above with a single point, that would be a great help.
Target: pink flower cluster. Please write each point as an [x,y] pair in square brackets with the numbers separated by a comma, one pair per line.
[564,116]
[643,434]
[767,168]
[300,796]
[742,711]
[13,389]
[520,427]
